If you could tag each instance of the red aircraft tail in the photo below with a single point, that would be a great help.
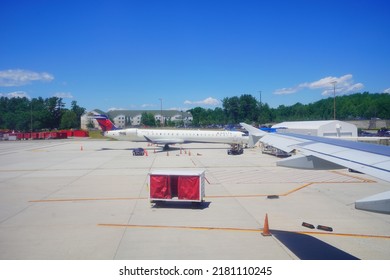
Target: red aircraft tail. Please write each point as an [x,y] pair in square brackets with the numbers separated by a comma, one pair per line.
[105,123]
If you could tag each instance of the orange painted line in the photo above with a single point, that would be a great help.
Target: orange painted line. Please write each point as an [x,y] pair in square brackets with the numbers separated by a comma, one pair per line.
[345,234]
[179,227]
[142,198]
[128,198]
[241,230]
[236,195]
[362,180]
[297,189]
[86,199]
[211,196]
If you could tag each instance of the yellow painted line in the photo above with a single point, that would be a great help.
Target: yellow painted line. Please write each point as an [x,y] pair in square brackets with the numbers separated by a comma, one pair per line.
[20,170]
[210,196]
[345,234]
[241,230]
[262,195]
[362,180]
[87,199]
[142,198]
[134,198]
[283,194]
[179,227]
[297,189]
[236,195]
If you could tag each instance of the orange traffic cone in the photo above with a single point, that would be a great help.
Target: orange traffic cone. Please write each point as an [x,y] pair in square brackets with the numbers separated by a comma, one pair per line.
[266,231]
[81,148]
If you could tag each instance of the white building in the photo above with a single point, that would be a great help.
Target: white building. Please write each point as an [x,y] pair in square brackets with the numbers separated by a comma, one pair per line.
[331,128]
[87,120]
[128,118]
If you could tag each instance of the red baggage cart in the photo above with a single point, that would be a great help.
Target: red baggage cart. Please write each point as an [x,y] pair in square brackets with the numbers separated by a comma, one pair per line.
[177,185]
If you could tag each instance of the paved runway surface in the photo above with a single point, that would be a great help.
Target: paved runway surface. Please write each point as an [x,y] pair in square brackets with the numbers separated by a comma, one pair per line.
[88,199]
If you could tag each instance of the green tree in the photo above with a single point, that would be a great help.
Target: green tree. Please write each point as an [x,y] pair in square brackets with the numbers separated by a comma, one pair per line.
[148,119]
[69,120]
[55,107]
[219,116]
[265,115]
[231,107]
[197,115]
[248,108]
[79,111]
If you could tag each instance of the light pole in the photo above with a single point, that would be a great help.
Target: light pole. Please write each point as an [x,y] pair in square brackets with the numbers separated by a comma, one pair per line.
[334,99]
[260,97]
[31,120]
[260,106]
[161,116]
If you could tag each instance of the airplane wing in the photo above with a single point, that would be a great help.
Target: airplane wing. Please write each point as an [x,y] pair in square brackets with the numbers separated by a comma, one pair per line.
[325,153]
[328,153]
[366,158]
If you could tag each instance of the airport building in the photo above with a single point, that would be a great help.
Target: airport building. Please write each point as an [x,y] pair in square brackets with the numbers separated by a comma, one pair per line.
[331,128]
[128,118]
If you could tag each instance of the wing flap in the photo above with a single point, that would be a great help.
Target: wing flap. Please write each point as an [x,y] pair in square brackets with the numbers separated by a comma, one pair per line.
[308,162]
[281,142]
[371,164]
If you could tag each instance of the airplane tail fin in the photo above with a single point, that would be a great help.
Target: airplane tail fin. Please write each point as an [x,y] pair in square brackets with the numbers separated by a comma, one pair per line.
[105,123]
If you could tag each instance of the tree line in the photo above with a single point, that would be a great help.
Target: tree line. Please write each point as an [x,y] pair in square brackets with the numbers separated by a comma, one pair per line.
[247,108]
[23,114]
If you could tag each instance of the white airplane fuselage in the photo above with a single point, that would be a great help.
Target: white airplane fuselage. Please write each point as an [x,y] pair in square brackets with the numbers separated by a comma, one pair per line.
[170,136]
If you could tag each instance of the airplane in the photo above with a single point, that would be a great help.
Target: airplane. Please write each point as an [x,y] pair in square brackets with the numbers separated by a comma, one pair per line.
[167,137]
[314,152]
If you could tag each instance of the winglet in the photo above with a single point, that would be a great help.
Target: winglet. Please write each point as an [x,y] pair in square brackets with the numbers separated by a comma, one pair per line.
[253,130]
[254,134]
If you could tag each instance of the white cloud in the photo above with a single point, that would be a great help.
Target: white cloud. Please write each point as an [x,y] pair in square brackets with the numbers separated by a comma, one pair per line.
[344,84]
[64,95]
[387,90]
[115,109]
[148,105]
[179,109]
[208,102]
[19,77]
[15,94]
[283,91]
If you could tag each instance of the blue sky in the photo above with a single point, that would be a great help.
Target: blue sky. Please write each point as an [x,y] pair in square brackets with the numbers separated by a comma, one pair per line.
[130,54]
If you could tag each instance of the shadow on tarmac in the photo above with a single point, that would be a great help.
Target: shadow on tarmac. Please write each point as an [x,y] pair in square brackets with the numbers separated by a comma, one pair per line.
[111,149]
[307,247]
[181,205]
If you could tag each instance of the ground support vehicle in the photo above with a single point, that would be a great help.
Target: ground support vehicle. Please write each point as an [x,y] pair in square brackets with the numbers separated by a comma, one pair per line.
[182,185]
[236,149]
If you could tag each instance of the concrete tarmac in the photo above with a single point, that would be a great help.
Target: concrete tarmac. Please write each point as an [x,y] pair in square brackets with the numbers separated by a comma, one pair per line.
[88,199]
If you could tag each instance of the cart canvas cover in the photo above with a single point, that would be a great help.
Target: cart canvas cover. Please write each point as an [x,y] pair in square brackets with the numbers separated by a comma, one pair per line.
[159,186]
[181,184]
